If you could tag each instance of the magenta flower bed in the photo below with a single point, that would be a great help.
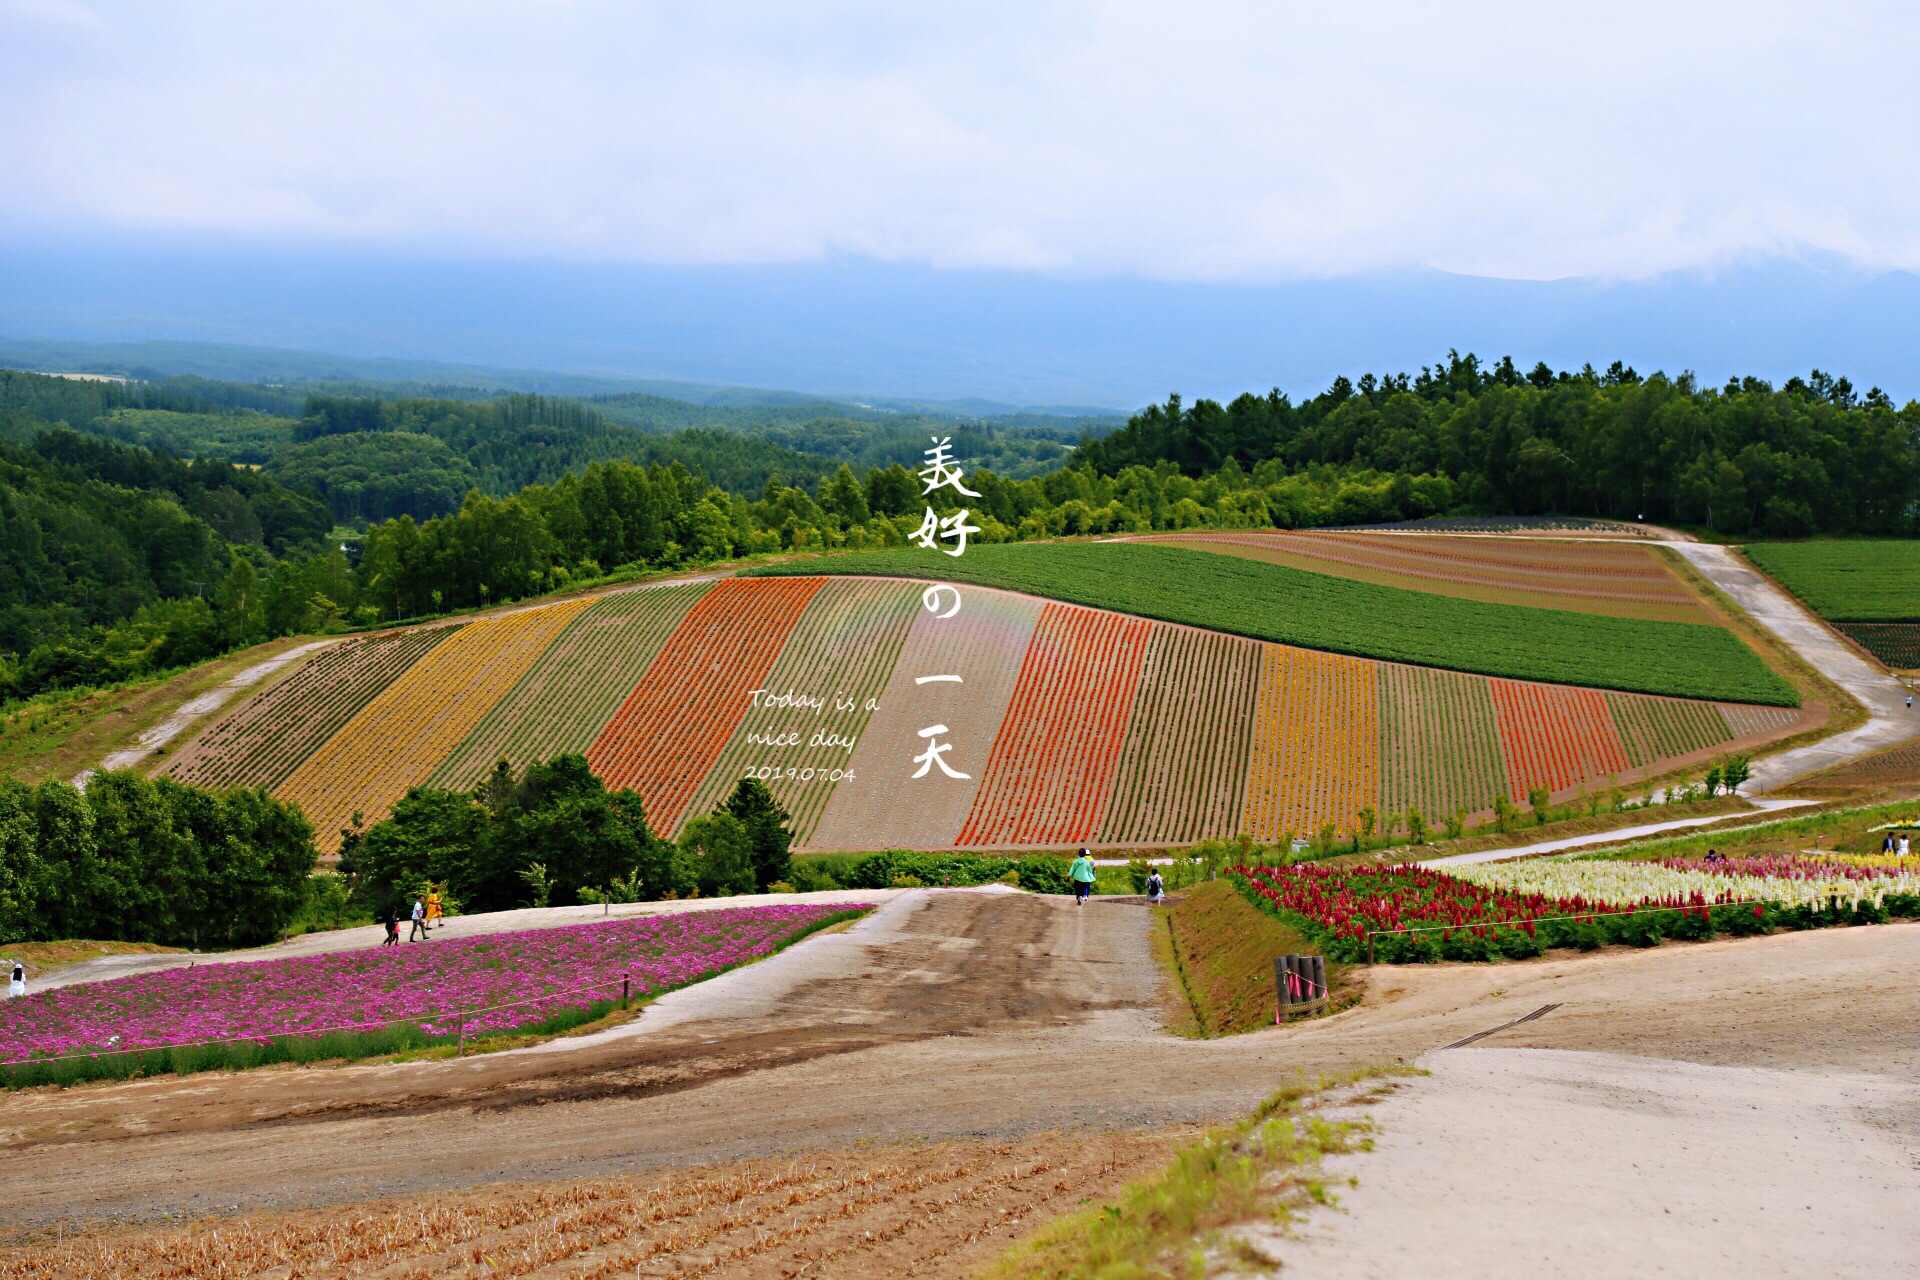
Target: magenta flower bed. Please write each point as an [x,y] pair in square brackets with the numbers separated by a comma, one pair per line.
[1784,866]
[423,983]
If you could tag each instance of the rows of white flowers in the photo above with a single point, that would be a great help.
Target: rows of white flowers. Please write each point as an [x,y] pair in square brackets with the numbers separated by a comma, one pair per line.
[1628,884]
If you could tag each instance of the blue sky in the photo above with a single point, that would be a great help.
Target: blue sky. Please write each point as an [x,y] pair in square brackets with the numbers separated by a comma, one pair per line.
[1047,146]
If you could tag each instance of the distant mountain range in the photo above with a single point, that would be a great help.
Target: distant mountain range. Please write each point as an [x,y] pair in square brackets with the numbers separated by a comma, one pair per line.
[905,337]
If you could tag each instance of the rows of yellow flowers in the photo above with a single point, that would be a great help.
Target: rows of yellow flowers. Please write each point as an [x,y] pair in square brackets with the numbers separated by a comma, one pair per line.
[395,741]
[1316,743]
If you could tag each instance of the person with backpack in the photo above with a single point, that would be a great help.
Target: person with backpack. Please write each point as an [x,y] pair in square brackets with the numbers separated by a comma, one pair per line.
[1081,873]
[1156,888]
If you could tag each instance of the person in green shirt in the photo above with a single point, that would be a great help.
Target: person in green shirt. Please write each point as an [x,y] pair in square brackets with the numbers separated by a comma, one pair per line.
[1082,873]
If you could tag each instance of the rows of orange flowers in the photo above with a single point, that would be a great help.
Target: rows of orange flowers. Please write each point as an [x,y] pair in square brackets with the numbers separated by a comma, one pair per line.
[1053,762]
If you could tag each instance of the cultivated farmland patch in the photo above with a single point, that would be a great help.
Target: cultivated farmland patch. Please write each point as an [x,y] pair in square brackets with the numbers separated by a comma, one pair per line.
[1555,735]
[801,730]
[668,732]
[1654,728]
[570,692]
[395,741]
[1439,742]
[1058,749]
[1316,743]
[883,806]
[1613,579]
[1183,771]
[264,738]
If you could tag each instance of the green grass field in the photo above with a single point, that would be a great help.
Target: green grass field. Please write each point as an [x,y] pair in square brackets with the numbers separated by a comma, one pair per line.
[1848,581]
[1319,611]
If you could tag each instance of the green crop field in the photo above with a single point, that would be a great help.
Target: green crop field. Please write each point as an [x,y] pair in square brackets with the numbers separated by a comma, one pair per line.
[1319,611]
[1848,581]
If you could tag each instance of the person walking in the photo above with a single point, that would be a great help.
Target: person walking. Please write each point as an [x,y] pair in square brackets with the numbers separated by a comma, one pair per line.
[419,930]
[1081,873]
[393,929]
[18,986]
[1156,888]
[433,908]
[1905,848]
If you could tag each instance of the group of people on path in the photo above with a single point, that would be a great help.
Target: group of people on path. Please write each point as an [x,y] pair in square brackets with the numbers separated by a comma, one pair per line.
[425,916]
[1082,875]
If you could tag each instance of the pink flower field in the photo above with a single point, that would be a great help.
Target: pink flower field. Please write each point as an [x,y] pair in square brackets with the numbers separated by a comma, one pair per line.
[422,983]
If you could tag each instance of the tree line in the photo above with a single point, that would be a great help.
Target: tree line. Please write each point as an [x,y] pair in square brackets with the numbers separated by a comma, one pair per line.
[1809,456]
[134,859]
[551,834]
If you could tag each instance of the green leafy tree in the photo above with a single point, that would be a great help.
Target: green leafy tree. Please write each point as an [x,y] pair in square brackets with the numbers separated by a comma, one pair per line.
[719,850]
[767,830]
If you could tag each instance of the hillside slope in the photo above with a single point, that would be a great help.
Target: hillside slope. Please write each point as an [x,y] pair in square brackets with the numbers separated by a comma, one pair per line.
[1057,724]
[1340,615]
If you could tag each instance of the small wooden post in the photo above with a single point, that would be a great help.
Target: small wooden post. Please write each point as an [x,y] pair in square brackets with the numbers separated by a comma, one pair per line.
[625,981]
[1369,949]
[460,1039]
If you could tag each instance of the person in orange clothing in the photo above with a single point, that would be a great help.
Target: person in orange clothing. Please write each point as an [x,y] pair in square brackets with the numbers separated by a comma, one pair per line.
[433,907]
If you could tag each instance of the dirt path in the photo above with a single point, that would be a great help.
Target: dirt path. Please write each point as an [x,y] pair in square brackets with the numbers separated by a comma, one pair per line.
[949,1015]
[1883,696]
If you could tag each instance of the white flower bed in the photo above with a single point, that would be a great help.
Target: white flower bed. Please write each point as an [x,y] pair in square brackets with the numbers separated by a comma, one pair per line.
[1628,884]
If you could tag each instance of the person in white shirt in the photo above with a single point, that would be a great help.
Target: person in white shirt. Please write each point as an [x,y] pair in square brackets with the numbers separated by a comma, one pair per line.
[17,987]
[419,931]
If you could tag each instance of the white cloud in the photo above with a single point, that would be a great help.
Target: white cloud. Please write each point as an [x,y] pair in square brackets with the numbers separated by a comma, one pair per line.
[1225,141]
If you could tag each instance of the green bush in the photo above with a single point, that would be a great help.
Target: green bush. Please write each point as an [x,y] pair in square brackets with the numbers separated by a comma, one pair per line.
[1040,873]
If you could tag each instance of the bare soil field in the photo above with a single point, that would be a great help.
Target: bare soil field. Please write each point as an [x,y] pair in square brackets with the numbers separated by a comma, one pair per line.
[955,1054]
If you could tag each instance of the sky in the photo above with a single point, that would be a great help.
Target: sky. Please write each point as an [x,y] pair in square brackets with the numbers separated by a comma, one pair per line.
[1241,146]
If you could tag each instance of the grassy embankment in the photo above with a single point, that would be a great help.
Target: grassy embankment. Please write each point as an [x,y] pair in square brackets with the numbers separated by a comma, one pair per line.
[58,734]
[1219,952]
[1318,611]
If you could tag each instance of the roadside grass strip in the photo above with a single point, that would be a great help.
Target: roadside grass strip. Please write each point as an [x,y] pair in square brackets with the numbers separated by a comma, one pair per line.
[572,689]
[800,732]
[268,736]
[1055,757]
[395,741]
[1179,1223]
[1411,914]
[671,728]
[1340,615]
[380,1000]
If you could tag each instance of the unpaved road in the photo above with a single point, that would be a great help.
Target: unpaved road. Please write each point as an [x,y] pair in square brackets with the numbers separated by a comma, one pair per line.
[949,1014]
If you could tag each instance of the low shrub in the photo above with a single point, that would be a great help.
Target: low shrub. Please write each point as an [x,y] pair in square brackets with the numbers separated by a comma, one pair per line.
[903,868]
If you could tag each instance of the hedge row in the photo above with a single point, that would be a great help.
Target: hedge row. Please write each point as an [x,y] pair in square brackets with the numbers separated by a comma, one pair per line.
[897,868]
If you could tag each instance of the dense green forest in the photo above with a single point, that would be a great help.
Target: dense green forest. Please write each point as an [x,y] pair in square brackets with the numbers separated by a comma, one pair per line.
[149,860]
[1809,456]
[121,560]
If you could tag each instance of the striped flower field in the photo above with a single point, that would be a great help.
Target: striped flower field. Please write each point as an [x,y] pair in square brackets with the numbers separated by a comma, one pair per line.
[1070,724]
